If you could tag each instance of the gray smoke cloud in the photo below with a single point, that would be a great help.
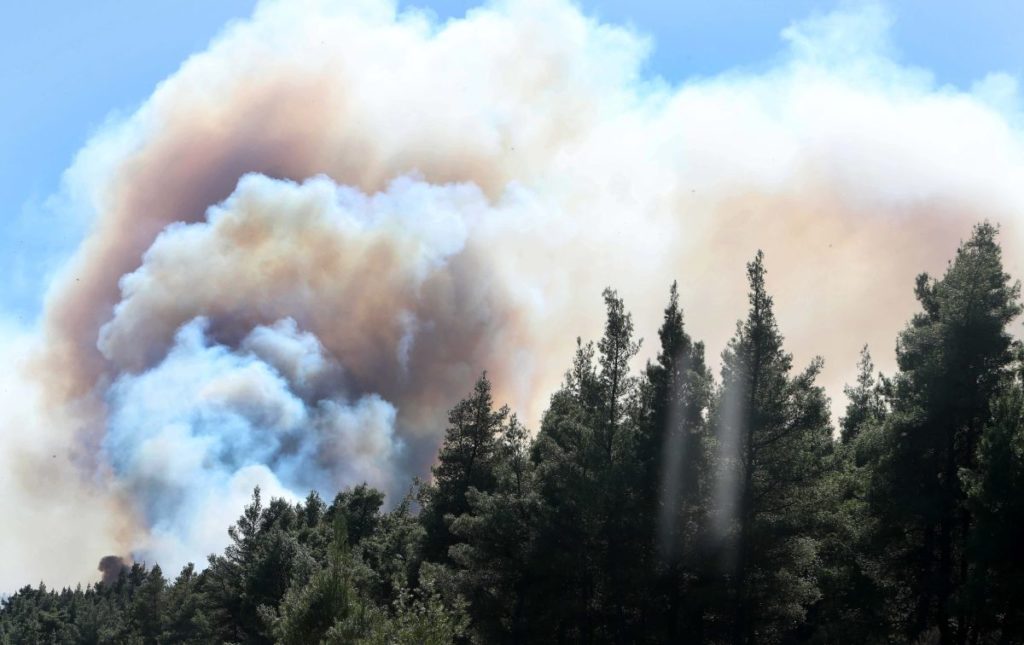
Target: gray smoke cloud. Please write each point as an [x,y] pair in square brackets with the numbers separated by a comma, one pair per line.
[314,235]
[208,420]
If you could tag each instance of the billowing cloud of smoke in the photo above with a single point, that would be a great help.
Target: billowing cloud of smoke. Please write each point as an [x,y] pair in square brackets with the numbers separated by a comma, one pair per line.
[110,568]
[54,515]
[208,420]
[312,237]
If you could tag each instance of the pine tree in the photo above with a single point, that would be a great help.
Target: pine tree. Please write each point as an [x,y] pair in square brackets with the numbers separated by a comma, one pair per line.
[674,460]
[566,452]
[587,472]
[775,438]
[361,507]
[148,607]
[256,569]
[854,598]
[393,552]
[864,400]
[952,358]
[233,614]
[184,620]
[618,471]
[495,556]
[993,496]
[465,461]
[615,350]
[329,608]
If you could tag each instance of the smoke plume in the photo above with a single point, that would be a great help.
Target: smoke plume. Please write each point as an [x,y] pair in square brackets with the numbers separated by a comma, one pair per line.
[313,237]
[110,568]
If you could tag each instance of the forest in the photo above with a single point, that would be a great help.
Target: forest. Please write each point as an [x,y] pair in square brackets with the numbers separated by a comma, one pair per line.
[662,505]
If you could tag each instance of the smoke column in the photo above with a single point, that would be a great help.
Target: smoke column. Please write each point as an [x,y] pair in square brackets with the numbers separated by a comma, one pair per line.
[110,568]
[313,237]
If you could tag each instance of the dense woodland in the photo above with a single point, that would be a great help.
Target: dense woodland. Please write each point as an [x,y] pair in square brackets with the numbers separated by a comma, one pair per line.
[661,506]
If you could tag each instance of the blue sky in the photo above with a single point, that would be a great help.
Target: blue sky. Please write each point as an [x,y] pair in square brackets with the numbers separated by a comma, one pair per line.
[70,66]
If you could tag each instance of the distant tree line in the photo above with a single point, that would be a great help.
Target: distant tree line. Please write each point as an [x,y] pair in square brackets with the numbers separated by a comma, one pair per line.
[665,506]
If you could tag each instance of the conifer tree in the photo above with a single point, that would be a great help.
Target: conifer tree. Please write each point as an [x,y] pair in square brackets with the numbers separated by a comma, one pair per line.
[184,620]
[496,552]
[952,356]
[466,460]
[566,456]
[864,400]
[148,605]
[775,436]
[587,469]
[993,495]
[674,460]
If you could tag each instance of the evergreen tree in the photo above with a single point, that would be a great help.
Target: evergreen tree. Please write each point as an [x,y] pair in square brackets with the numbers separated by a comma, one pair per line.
[496,550]
[854,598]
[327,609]
[775,437]
[184,620]
[393,552]
[865,401]
[952,358]
[465,461]
[148,607]
[234,614]
[674,461]
[618,470]
[263,559]
[587,470]
[566,456]
[993,491]
[361,507]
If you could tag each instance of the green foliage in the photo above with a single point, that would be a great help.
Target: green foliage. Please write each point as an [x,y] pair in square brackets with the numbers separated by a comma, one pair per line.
[865,400]
[465,461]
[496,542]
[328,608]
[586,463]
[993,489]
[417,617]
[148,607]
[674,455]
[776,447]
[953,357]
[651,506]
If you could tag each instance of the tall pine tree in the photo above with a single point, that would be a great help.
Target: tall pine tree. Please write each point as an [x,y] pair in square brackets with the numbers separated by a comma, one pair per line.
[675,461]
[466,460]
[775,437]
[952,358]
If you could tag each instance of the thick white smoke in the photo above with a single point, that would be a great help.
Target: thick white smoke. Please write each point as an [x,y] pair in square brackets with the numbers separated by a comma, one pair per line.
[208,420]
[248,392]
[311,239]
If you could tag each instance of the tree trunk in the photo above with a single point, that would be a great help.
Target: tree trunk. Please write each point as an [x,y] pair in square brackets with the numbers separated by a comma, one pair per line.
[949,516]
[741,630]
[925,584]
